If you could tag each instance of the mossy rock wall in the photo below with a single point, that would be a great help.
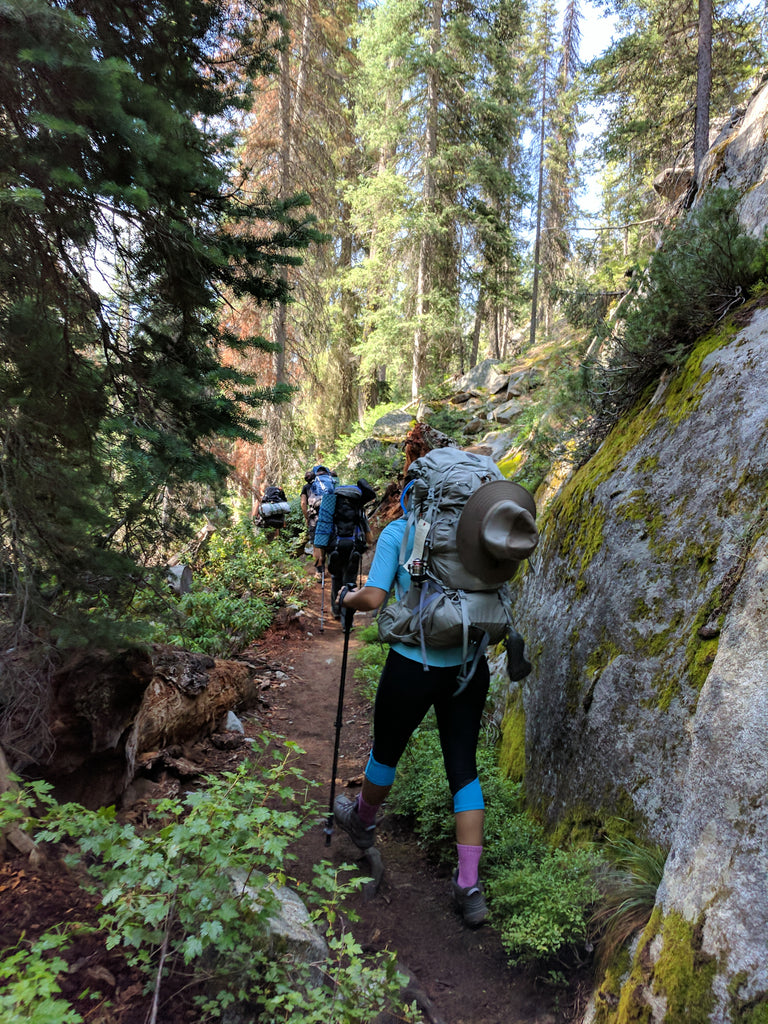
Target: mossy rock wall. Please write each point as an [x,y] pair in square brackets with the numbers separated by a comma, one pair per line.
[622,604]
[645,610]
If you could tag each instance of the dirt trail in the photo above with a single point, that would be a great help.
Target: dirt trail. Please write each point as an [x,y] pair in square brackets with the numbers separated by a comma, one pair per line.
[462,972]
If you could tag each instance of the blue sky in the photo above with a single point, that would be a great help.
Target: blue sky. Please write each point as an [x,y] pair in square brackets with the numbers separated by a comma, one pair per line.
[596,30]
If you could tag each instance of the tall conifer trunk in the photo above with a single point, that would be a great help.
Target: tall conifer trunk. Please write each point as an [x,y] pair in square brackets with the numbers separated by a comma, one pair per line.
[703,85]
[421,336]
[290,112]
[270,474]
[539,201]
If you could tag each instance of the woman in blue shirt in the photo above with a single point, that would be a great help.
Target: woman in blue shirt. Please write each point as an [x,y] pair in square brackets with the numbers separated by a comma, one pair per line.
[405,693]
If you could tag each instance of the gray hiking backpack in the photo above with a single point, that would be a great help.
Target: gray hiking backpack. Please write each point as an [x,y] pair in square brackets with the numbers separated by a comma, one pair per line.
[457,597]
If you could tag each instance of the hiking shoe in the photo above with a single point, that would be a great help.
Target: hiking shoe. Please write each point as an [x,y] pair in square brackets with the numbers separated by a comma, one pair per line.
[470,902]
[346,816]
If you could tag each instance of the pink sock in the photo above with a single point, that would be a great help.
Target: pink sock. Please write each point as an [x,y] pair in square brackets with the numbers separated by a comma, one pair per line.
[469,859]
[366,812]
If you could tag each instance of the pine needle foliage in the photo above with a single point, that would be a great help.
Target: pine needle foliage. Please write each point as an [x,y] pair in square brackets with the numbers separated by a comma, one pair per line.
[705,266]
[120,235]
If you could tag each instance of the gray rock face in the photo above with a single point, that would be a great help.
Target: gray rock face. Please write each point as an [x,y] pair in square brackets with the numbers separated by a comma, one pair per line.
[291,931]
[639,551]
[507,411]
[480,376]
[394,424]
[741,162]
[645,608]
[390,453]
[719,857]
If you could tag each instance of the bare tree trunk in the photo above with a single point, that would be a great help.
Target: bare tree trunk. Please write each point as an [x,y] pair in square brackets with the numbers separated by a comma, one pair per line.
[385,156]
[539,201]
[479,313]
[420,341]
[420,337]
[703,86]
[495,339]
[297,115]
[271,470]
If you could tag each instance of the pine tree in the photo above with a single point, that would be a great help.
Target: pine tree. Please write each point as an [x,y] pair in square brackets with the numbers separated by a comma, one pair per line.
[646,84]
[545,50]
[114,198]
[562,173]
[439,210]
[703,85]
[299,138]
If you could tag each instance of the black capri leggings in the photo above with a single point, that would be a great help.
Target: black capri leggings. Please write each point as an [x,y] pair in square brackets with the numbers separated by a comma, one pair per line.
[404,696]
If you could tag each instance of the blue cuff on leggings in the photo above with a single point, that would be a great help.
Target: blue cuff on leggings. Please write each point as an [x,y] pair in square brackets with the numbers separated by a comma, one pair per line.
[469,798]
[379,774]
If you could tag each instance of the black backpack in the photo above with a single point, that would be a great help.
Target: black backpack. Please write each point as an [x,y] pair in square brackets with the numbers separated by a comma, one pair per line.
[273,508]
[349,526]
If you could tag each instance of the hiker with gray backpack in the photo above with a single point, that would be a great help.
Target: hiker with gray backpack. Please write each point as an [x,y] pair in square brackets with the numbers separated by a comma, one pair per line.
[464,532]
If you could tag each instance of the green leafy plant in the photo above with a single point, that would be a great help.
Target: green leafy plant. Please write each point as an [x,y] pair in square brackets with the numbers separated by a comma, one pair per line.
[215,622]
[29,982]
[170,888]
[356,987]
[197,892]
[627,893]
[369,660]
[380,463]
[542,904]
[239,580]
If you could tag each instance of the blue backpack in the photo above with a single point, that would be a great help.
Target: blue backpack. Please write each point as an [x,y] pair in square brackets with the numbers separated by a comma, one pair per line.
[321,485]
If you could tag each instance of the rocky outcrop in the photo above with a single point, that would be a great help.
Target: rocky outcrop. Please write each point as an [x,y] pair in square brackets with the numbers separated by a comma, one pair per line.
[644,608]
[739,160]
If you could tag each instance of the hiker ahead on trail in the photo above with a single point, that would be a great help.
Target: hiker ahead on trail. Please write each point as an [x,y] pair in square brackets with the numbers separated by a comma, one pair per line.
[465,531]
[318,482]
[343,535]
[273,508]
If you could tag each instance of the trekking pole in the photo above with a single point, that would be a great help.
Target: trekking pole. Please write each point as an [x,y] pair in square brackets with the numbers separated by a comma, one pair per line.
[329,824]
[322,597]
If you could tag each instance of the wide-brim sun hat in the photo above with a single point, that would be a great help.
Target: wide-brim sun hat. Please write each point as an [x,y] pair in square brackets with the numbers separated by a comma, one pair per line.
[497,530]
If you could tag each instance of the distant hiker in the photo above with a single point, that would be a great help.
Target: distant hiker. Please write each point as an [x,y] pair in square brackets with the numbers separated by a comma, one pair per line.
[343,535]
[318,482]
[461,513]
[273,508]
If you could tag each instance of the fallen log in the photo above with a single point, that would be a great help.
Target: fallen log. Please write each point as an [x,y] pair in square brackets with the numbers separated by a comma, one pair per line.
[109,709]
[176,708]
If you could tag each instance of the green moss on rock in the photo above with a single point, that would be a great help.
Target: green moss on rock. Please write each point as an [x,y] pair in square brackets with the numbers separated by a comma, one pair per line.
[682,976]
[746,1011]
[754,1014]
[512,747]
[512,464]
[684,973]
[685,392]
